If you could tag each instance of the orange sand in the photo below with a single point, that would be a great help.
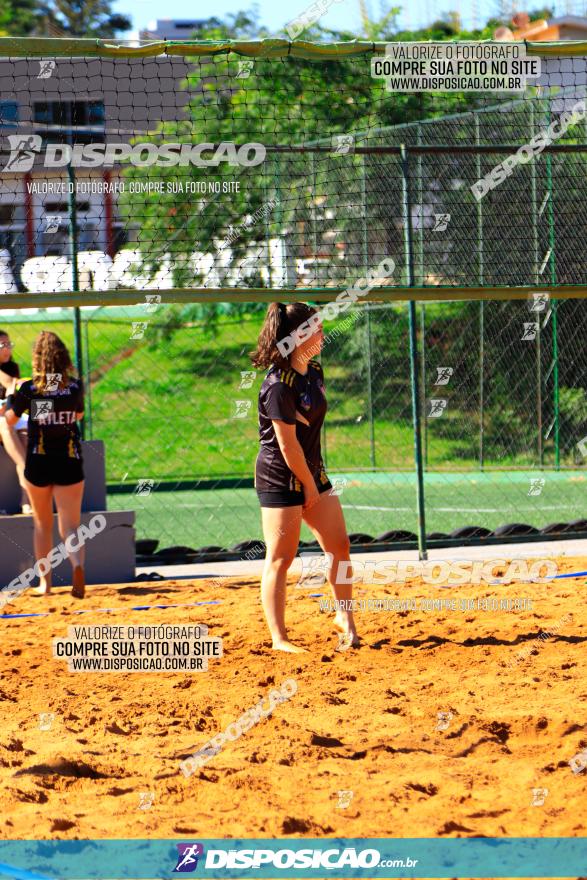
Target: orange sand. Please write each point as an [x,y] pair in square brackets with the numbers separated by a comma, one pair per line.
[362,720]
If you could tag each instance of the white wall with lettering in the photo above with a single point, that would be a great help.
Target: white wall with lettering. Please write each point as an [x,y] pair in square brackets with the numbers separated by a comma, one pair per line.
[98,271]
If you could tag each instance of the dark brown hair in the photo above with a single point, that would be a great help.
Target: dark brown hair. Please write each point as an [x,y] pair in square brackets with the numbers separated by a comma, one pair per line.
[50,355]
[280,321]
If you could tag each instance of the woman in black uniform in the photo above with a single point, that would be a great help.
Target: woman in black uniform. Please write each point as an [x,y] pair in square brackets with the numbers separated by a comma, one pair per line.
[289,475]
[54,400]
[13,439]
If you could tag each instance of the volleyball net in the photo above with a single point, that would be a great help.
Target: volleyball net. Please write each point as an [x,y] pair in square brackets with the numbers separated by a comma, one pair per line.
[172,189]
[241,167]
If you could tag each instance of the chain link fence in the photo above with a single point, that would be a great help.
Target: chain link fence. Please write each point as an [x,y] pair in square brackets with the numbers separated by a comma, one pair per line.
[503,412]
[340,186]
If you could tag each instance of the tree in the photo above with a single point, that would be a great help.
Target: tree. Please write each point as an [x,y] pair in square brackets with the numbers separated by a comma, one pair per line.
[381,29]
[5,16]
[279,103]
[85,18]
[18,18]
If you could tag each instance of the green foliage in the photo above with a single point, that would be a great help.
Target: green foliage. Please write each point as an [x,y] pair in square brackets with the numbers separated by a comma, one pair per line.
[18,18]
[378,29]
[207,317]
[5,15]
[545,12]
[573,406]
[573,416]
[85,18]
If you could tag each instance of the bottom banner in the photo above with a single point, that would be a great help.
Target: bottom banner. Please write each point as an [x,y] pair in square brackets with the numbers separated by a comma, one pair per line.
[291,858]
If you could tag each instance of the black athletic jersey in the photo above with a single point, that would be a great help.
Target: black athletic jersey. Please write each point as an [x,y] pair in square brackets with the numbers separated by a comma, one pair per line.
[286,396]
[11,369]
[52,426]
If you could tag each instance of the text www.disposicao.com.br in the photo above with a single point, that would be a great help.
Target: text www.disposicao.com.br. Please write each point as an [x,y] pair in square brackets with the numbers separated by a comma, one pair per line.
[134,664]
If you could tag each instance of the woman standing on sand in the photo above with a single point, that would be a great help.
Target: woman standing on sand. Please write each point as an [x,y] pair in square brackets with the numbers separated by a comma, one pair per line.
[54,471]
[290,479]
[14,438]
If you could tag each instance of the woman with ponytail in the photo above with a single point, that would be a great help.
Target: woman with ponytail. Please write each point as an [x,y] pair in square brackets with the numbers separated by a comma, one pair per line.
[290,479]
[54,472]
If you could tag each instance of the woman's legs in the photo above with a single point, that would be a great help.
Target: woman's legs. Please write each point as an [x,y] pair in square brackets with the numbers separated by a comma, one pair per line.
[42,503]
[25,503]
[281,531]
[326,521]
[68,500]
[16,450]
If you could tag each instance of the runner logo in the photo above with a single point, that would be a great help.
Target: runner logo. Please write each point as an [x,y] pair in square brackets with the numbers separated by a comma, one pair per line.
[41,409]
[23,149]
[441,222]
[187,857]
[53,381]
[443,375]
[315,567]
[46,68]
[539,795]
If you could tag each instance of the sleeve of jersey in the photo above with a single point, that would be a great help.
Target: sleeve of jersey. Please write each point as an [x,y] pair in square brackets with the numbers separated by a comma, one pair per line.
[20,402]
[280,403]
[11,369]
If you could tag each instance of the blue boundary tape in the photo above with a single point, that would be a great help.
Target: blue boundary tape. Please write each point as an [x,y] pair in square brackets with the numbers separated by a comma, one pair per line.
[146,607]
[177,605]
[37,614]
[133,608]
[19,873]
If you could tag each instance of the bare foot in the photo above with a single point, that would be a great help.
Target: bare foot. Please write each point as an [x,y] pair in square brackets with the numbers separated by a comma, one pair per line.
[78,589]
[289,647]
[43,590]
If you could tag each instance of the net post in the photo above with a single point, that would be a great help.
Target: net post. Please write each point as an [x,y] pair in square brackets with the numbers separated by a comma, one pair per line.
[87,390]
[536,273]
[552,263]
[365,254]
[414,372]
[423,388]
[481,385]
[312,214]
[480,272]
[268,233]
[420,276]
[278,211]
[419,161]
[73,248]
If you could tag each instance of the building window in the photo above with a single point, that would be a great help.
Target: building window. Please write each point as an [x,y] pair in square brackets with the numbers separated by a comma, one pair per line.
[63,207]
[6,215]
[70,122]
[8,114]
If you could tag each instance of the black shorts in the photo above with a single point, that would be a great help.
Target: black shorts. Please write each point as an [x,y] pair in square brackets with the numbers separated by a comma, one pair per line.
[53,470]
[286,498]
